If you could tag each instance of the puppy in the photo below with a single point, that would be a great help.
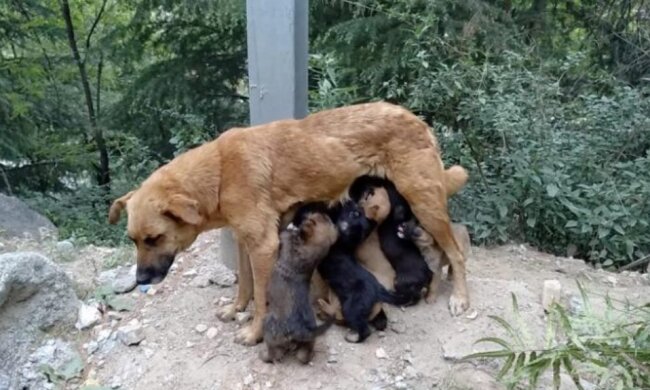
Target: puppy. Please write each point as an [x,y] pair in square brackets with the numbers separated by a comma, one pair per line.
[248,177]
[290,322]
[432,253]
[412,275]
[356,289]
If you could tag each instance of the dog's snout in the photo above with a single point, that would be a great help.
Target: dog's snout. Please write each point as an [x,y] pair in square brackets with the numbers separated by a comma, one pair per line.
[143,275]
[153,274]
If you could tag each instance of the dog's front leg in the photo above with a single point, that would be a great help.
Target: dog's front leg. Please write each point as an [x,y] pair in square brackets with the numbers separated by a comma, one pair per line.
[244,285]
[263,254]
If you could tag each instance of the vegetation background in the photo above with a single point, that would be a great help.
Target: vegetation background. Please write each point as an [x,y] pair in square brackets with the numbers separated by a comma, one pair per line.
[546,102]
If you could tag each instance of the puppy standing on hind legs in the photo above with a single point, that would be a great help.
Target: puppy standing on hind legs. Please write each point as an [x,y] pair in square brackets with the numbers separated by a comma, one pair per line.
[290,321]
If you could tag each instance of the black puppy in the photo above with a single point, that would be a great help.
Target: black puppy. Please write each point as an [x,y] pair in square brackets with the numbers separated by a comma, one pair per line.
[357,289]
[290,321]
[412,274]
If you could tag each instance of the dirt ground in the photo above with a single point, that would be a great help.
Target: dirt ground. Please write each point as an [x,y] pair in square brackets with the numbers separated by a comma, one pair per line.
[419,350]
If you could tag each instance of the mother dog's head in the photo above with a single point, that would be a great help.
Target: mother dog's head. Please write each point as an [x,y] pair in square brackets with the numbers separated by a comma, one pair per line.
[161,224]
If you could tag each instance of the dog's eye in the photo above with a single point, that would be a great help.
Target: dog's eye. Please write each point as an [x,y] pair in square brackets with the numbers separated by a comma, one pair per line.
[152,241]
[356,214]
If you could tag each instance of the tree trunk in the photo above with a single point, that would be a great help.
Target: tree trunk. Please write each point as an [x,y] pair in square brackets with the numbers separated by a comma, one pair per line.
[103,173]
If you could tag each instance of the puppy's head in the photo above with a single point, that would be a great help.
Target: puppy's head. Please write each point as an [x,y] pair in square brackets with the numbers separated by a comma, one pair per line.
[161,224]
[314,232]
[376,204]
[353,225]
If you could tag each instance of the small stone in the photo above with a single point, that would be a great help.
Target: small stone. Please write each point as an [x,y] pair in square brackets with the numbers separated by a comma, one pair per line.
[200,281]
[381,353]
[91,347]
[612,280]
[381,334]
[190,274]
[472,316]
[103,334]
[89,315]
[148,353]
[268,384]
[331,359]
[401,385]
[65,247]
[551,293]
[248,380]
[131,334]
[144,288]
[152,291]
[242,317]
[223,301]
[212,333]
[407,348]
[200,328]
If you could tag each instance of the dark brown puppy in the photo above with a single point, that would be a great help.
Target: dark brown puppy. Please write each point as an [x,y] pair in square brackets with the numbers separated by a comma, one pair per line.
[433,255]
[290,321]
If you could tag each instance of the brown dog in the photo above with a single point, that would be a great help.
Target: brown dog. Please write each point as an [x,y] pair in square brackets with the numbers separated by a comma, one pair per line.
[435,258]
[248,177]
[290,321]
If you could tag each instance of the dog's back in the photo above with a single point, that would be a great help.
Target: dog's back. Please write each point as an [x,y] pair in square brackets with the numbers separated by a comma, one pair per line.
[290,319]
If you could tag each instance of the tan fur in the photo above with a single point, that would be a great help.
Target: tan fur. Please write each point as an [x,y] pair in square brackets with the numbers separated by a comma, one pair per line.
[248,177]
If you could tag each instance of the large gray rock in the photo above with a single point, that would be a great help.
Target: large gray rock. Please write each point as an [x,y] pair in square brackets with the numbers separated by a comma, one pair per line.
[54,361]
[16,219]
[36,296]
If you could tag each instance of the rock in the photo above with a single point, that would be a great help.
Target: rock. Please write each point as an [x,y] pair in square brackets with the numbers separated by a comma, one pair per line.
[17,218]
[120,279]
[200,281]
[131,334]
[89,315]
[35,296]
[332,359]
[467,377]
[612,280]
[242,317]
[221,275]
[200,328]
[152,291]
[381,353]
[212,333]
[248,380]
[472,316]
[55,357]
[65,247]
[551,293]
[190,274]
[381,334]
[144,288]
[91,347]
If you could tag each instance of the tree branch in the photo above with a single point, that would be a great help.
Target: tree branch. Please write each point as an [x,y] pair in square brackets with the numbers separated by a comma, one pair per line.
[92,29]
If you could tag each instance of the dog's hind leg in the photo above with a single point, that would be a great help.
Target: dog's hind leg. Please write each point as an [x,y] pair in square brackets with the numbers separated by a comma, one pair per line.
[244,285]
[357,320]
[380,320]
[305,352]
[262,243]
[418,176]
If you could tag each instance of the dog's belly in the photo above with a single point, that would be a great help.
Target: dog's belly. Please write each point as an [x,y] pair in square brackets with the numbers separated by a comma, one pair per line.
[372,258]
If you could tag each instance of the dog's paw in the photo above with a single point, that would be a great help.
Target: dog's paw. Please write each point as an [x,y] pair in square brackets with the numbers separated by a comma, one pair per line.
[326,307]
[249,335]
[352,337]
[227,313]
[458,304]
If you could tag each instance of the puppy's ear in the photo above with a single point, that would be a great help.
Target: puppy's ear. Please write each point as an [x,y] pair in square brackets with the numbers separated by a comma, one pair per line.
[307,228]
[183,208]
[117,207]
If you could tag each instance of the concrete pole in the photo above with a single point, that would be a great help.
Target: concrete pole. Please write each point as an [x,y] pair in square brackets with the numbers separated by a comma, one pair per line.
[277,35]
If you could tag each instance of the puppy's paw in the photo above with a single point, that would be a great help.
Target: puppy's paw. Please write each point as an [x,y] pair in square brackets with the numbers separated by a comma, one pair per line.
[305,355]
[458,304]
[227,313]
[352,337]
[265,355]
[326,307]
[249,335]
[430,297]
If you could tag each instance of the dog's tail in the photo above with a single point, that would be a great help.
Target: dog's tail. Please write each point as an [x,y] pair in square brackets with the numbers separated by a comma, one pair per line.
[320,329]
[393,298]
[455,178]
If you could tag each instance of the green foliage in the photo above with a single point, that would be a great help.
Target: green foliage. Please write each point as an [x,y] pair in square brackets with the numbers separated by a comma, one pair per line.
[610,347]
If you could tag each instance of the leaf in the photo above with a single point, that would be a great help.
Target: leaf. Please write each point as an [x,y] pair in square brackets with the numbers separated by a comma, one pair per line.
[571,224]
[494,340]
[503,211]
[506,366]
[566,361]
[552,190]
[531,221]
[486,354]
[513,333]
[556,374]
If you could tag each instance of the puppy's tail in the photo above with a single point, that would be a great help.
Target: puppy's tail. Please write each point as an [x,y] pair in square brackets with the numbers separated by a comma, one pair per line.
[393,298]
[320,329]
[455,178]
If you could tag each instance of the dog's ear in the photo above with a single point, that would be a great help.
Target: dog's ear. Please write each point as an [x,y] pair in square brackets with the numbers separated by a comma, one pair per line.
[117,207]
[185,209]
[307,228]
